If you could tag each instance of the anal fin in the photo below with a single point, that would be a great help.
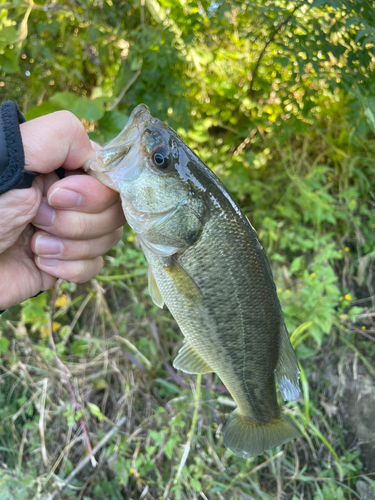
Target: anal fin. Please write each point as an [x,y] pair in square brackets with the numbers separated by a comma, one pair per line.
[189,361]
[154,290]
[287,371]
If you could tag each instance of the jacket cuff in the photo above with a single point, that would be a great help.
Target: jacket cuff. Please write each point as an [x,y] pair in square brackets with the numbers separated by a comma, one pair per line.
[12,158]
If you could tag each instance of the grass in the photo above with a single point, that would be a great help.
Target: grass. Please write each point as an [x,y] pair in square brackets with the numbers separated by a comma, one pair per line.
[169,443]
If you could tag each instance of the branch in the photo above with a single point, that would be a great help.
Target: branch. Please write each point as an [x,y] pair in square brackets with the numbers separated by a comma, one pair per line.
[363,332]
[86,460]
[278,28]
[125,89]
[65,373]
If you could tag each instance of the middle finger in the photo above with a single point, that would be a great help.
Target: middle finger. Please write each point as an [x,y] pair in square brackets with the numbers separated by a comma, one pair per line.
[75,225]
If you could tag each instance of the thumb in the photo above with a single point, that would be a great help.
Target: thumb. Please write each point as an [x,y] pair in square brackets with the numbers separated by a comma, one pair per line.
[55,140]
[18,207]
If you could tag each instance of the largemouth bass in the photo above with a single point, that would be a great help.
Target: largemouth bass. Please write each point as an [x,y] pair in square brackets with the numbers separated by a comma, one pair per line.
[207,265]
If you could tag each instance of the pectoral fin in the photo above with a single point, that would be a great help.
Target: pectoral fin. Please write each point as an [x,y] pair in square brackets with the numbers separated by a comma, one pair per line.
[287,371]
[154,290]
[184,283]
[189,361]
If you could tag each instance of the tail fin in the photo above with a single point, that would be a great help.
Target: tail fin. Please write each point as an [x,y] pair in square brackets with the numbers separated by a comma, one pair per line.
[248,439]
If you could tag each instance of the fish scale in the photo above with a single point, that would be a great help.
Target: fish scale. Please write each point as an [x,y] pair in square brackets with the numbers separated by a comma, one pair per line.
[208,267]
[238,327]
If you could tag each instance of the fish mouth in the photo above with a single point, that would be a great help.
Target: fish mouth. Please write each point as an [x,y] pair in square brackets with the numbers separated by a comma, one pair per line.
[139,118]
[118,157]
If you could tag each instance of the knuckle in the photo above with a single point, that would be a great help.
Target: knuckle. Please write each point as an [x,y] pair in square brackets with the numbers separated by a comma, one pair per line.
[86,269]
[18,208]
[80,272]
[78,227]
[71,127]
[117,235]
[69,119]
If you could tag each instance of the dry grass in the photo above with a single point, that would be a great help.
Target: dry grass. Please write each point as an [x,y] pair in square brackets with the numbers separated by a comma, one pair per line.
[89,368]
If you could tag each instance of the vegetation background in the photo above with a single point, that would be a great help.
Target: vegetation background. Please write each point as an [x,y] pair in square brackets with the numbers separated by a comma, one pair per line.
[277,98]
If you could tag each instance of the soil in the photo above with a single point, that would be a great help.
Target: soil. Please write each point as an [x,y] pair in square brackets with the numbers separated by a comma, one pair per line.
[350,397]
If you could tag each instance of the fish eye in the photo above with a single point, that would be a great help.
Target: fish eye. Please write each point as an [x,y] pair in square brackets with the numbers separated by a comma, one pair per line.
[161,159]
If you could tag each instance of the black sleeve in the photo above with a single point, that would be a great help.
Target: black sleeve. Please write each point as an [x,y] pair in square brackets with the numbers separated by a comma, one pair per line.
[12,158]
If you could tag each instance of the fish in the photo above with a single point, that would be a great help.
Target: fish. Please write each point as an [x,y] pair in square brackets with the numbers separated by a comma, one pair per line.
[208,267]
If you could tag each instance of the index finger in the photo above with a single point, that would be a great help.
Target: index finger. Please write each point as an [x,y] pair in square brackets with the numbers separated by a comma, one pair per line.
[55,140]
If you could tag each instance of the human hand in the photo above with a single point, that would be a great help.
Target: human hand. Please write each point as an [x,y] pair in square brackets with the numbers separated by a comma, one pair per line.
[56,228]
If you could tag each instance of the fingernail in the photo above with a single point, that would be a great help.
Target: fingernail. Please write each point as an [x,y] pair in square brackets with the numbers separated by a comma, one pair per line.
[65,198]
[47,262]
[45,216]
[47,245]
[95,146]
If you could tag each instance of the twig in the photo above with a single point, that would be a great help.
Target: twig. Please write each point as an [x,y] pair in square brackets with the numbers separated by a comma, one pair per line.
[144,492]
[85,461]
[63,454]
[253,471]
[270,40]
[187,446]
[118,336]
[125,89]
[19,412]
[43,448]
[20,455]
[76,317]
[23,26]
[362,332]
[65,372]
[134,349]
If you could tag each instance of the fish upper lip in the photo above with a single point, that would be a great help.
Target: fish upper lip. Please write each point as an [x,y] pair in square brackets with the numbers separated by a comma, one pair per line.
[139,117]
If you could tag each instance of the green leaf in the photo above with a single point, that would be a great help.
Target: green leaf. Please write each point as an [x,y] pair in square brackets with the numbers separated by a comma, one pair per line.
[11,63]
[7,35]
[204,56]
[4,344]
[170,446]
[83,108]
[195,483]
[65,100]
[43,109]
[171,388]
[304,352]
[296,264]
[156,436]
[88,109]
[95,410]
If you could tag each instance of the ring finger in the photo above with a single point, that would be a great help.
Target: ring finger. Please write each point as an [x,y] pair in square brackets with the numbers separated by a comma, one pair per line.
[52,247]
